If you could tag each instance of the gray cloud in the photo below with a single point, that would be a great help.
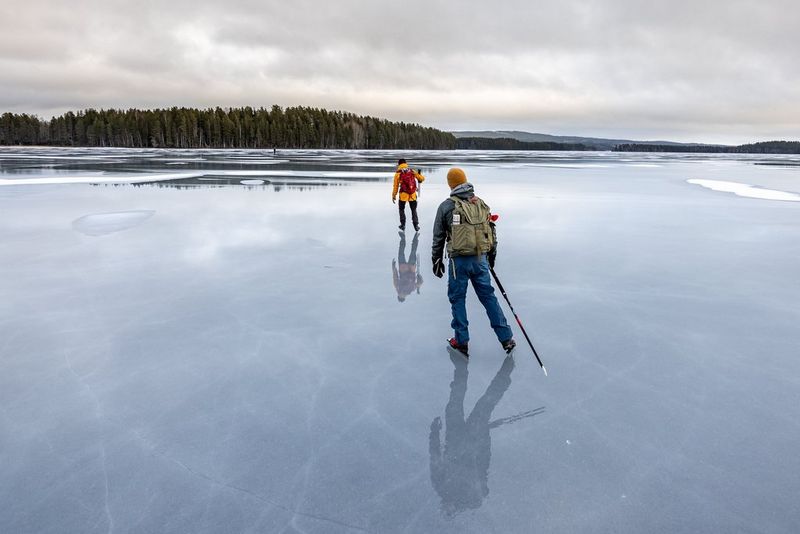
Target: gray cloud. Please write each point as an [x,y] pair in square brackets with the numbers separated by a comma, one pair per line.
[708,70]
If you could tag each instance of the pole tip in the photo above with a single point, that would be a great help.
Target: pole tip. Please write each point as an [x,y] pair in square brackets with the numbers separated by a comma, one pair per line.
[545,370]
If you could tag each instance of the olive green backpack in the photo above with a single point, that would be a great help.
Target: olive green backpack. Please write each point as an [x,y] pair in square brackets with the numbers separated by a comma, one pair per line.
[470,233]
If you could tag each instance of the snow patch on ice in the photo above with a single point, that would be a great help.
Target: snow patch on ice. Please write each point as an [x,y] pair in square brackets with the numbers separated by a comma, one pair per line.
[102,179]
[567,165]
[746,190]
[107,223]
[251,161]
[132,178]
[252,182]
[303,174]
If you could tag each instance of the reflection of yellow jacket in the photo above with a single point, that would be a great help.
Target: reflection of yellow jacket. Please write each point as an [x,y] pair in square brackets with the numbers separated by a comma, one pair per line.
[405,197]
[406,279]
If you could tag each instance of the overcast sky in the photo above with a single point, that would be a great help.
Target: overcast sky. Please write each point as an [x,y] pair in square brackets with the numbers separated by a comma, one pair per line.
[713,71]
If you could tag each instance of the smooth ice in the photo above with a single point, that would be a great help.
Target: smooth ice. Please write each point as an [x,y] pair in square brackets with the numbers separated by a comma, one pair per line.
[183,349]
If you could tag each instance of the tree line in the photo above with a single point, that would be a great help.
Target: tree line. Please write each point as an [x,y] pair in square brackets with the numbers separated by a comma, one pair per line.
[507,143]
[766,147]
[245,127]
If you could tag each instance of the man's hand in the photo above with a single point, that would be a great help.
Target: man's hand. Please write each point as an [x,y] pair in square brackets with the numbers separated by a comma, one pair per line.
[438,267]
[492,256]
[393,200]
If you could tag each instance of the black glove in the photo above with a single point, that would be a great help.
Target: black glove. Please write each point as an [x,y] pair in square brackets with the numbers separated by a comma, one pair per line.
[491,257]
[438,267]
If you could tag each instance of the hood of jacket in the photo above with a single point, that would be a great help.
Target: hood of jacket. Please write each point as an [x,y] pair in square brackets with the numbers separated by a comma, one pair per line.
[463,191]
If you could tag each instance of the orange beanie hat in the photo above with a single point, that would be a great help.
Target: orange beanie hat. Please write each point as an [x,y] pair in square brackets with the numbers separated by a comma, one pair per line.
[455,177]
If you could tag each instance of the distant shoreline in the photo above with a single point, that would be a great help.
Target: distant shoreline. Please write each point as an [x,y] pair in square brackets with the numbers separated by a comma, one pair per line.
[306,128]
[398,150]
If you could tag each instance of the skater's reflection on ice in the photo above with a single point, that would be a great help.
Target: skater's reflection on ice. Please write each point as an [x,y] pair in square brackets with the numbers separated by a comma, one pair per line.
[460,471]
[405,272]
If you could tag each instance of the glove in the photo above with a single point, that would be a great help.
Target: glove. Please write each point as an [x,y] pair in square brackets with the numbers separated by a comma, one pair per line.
[393,200]
[438,267]
[492,256]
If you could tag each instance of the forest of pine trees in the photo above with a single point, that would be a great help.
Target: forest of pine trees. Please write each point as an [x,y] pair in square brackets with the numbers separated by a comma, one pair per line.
[294,127]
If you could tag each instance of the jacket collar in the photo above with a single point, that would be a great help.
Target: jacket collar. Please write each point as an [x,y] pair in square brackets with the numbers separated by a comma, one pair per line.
[463,191]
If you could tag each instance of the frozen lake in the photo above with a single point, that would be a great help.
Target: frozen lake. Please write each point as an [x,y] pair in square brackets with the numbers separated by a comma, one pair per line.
[215,341]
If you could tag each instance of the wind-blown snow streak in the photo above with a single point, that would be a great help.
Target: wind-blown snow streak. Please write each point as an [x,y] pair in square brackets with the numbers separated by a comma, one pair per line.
[746,190]
[100,179]
[159,177]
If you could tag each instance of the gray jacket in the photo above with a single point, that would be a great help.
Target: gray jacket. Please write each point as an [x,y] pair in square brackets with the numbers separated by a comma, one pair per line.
[444,218]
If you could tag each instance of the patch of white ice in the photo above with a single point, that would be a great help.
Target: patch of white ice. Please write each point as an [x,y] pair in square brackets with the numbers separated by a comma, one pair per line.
[107,223]
[99,179]
[53,156]
[746,190]
[302,174]
[252,182]
[567,165]
[251,161]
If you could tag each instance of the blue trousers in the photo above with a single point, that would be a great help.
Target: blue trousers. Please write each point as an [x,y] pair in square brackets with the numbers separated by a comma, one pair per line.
[463,269]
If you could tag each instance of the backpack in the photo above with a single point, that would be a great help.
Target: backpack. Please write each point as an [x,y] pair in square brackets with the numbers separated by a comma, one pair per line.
[470,233]
[408,182]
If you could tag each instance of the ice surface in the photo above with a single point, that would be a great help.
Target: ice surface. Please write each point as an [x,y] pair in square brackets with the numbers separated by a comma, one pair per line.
[241,362]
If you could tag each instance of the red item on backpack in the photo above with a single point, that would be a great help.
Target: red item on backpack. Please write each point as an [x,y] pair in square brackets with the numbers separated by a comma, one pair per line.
[408,182]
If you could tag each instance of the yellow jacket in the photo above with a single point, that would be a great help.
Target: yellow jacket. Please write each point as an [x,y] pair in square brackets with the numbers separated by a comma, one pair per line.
[404,197]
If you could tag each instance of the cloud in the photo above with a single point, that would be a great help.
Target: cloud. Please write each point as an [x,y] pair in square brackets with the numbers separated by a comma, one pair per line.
[713,69]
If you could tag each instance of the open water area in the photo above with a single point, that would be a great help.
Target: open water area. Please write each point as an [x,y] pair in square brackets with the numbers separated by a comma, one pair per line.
[216,341]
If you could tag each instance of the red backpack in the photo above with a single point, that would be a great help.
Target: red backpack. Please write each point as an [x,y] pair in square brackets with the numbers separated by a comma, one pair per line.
[408,182]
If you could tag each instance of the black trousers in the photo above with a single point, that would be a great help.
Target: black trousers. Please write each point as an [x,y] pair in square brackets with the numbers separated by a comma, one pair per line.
[402,206]
[401,250]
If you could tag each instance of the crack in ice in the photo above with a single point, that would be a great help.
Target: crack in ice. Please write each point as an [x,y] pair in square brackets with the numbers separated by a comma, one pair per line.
[98,410]
[199,474]
[262,498]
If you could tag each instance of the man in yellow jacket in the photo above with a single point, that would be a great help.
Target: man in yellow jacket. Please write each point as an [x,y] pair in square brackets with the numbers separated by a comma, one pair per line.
[405,182]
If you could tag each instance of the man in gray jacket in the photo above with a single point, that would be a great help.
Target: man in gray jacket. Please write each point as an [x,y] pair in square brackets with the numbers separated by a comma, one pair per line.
[467,266]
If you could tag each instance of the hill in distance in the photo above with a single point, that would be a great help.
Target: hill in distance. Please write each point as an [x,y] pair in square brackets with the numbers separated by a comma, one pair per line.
[597,142]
